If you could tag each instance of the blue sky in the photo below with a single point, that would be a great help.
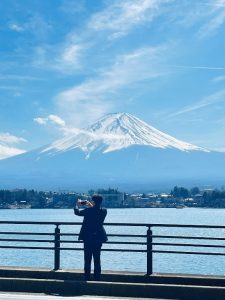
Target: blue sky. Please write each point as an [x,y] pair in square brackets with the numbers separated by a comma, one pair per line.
[65,63]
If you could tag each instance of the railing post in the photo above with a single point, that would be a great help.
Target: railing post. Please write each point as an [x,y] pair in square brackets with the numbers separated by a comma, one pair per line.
[149,252]
[57,248]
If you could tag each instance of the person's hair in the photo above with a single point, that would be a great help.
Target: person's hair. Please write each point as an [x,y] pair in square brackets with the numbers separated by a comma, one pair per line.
[97,199]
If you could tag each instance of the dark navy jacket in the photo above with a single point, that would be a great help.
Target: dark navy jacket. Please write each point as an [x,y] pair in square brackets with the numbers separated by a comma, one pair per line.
[92,227]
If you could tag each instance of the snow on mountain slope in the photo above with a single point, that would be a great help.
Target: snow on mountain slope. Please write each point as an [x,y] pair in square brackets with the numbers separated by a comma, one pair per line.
[117,131]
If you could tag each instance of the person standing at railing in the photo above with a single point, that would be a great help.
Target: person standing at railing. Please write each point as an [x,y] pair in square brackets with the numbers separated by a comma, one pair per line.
[92,233]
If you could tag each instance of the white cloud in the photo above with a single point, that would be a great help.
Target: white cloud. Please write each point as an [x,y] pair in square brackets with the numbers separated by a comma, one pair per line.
[41,121]
[10,139]
[216,19]
[6,140]
[56,120]
[214,24]
[206,17]
[205,102]
[50,118]
[119,17]
[16,27]
[71,53]
[218,79]
[69,57]
[6,151]
[59,123]
[213,68]
[64,58]
[122,16]
[36,25]
[96,97]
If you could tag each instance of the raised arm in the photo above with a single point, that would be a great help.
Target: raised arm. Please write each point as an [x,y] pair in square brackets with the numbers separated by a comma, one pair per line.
[78,211]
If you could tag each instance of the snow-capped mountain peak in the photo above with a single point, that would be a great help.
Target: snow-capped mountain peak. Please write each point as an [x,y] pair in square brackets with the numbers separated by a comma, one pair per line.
[116,131]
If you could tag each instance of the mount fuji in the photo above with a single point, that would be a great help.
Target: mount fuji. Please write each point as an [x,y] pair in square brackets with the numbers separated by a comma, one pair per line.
[115,132]
[119,150]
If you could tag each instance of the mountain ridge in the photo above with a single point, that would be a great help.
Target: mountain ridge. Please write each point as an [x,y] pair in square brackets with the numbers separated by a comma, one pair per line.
[116,131]
[114,151]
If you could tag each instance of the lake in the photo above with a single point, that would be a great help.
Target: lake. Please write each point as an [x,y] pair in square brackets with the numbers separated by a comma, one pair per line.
[168,263]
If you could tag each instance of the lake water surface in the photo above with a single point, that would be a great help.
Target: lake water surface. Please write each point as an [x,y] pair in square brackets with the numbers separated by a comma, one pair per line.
[169,263]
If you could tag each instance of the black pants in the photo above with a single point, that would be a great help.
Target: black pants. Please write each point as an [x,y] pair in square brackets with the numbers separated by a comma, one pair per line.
[92,248]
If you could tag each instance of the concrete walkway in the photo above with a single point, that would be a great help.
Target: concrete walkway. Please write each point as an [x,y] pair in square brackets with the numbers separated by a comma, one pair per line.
[21,296]
[48,284]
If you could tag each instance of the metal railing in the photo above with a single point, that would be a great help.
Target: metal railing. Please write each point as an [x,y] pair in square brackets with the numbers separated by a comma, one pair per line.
[148,240]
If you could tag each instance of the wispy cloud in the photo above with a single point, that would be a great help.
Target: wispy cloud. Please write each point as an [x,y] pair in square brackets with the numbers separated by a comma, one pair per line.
[98,96]
[10,139]
[63,58]
[7,141]
[216,19]
[218,79]
[36,25]
[207,101]
[51,118]
[6,151]
[122,16]
[71,53]
[70,56]
[205,17]
[16,27]
[213,68]
[59,124]
[118,18]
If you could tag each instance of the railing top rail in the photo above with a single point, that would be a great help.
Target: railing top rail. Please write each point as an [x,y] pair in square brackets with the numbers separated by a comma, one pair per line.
[117,224]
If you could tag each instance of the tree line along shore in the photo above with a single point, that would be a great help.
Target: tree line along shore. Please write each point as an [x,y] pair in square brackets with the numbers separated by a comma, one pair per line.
[178,197]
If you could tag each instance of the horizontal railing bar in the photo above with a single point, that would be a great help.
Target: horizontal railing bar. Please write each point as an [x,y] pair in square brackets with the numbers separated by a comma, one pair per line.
[25,247]
[115,224]
[188,237]
[72,249]
[131,243]
[69,234]
[109,234]
[68,223]
[118,250]
[115,235]
[26,240]
[187,226]
[25,233]
[72,242]
[112,250]
[125,250]
[188,252]
[129,235]
[38,223]
[109,242]
[117,243]
[188,245]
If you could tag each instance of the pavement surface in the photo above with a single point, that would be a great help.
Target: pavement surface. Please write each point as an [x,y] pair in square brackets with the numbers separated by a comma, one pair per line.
[21,296]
